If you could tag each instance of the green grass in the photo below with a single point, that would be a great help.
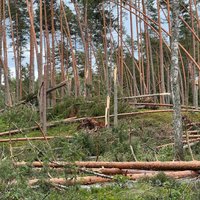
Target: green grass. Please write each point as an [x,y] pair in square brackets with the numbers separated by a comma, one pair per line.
[147,132]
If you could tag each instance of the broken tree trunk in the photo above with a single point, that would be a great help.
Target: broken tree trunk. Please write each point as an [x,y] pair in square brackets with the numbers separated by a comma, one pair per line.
[115,98]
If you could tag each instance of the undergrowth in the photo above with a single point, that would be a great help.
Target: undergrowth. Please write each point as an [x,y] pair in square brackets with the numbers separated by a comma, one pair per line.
[81,107]
[142,134]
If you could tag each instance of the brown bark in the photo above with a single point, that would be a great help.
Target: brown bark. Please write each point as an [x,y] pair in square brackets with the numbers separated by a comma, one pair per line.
[4,62]
[161,54]
[157,166]
[53,67]
[89,180]
[74,65]
[31,65]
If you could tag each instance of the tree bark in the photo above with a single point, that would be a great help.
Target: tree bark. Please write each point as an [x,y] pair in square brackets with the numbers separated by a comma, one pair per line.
[157,166]
[4,63]
[31,65]
[115,98]
[177,119]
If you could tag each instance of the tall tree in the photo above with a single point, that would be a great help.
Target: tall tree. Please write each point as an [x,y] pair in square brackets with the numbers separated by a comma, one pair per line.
[177,119]
[4,61]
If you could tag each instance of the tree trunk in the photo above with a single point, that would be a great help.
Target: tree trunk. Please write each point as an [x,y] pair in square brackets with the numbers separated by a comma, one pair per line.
[162,77]
[156,165]
[177,120]
[53,67]
[4,63]
[1,39]
[31,65]
[115,99]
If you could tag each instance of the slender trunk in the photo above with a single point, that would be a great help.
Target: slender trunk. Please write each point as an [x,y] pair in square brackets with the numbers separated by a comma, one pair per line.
[48,55]
[40,56]
[18,55]
[121,72]
[31,65]
[75,70]
[8,99]
[1,39]
[195,72]
[132,50]
[62,54]
[53,68]
[161,54]
[107,70]
[147,50]
[177,119]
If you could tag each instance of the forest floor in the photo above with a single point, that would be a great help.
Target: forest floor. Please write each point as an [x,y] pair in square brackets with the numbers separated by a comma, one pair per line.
[143,132]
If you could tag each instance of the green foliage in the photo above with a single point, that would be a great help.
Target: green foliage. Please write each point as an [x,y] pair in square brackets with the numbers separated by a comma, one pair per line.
[158,180]
[1,99]
[22,116]
[81,107]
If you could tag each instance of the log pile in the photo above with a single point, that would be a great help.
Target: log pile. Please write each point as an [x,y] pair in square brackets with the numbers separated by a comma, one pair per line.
[102,172]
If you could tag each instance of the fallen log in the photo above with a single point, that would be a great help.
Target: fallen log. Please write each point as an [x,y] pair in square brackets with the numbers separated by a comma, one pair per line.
[106,171]
[89,180]
[157,166]
[161,105]
[146,95]
[32,139]
[184,142]
[193,132]
[74,119]
[192,136]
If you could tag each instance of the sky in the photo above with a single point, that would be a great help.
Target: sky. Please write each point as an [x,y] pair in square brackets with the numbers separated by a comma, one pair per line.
[126,23]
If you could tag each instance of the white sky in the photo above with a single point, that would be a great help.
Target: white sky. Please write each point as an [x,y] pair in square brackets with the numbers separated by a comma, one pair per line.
[126,22]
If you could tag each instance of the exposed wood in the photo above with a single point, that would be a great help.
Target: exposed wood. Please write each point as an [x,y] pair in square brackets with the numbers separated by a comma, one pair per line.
[115,98]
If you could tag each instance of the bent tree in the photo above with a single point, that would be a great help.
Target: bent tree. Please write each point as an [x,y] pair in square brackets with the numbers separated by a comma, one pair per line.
[177,120]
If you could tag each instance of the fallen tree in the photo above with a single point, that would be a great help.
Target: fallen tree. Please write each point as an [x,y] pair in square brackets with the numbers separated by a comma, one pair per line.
[160,105]
[89,180]
[32,139]
[157,166]
[74,119]
[184,142]
[146,95]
